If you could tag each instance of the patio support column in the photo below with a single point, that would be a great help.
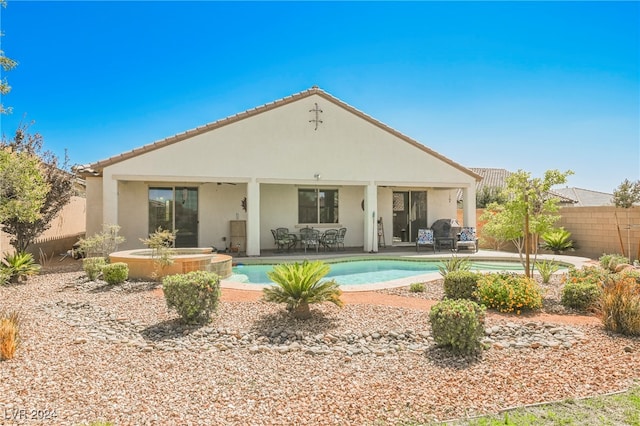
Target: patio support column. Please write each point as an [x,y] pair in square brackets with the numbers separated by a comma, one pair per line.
[370,218]
[109,201]
[469,206]
[253,218]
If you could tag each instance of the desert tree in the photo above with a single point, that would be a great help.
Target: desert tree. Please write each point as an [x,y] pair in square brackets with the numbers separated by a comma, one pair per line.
[23,188]
[58,183]
[530,211]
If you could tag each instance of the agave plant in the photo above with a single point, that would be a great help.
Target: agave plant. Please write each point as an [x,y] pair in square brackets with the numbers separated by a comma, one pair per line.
[558,241]
[21,265]
[300,284]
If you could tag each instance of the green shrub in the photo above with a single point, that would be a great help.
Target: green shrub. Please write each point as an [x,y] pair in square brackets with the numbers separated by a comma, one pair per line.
[630,273]
[461,284]
[115,273]
[581,295]
[300,284]
[509,292]
[102,244]
[611,261]
[454,263]
[92,266]
[620,305]
[194,295]
[20,266]
[417,288]
[458,325]
[546,269]
[587,274]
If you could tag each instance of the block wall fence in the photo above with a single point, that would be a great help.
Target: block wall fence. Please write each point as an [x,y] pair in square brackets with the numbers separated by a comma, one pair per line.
[66,229]
[594,230]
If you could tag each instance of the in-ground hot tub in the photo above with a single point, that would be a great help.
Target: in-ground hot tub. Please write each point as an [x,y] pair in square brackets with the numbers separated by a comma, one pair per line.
[143,266]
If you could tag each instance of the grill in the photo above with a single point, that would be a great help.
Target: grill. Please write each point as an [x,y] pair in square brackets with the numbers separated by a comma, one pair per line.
[446,228]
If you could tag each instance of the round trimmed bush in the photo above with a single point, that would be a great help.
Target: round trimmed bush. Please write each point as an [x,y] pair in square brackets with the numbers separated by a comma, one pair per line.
[193,295]
[115,273]
[458,325]
[417,288]
[461,284]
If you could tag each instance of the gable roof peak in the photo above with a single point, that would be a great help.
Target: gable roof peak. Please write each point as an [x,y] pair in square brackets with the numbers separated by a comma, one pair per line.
[95,169]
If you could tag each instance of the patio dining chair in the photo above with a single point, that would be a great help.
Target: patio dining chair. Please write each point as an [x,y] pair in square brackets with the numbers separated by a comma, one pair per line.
[310,237]
[340,240]
[285,239]
[425,238]
[329,239]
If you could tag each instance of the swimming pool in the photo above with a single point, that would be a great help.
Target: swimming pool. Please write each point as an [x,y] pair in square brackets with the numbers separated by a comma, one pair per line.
[359,272]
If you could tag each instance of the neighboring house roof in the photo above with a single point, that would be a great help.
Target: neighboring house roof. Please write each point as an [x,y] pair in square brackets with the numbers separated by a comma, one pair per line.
[587,197]
[491,177]
[95,169]
[497,178]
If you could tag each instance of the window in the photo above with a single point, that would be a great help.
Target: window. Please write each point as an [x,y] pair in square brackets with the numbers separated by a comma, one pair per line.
[317,206]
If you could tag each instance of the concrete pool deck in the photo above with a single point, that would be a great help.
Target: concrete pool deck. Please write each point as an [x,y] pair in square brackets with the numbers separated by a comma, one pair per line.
[481,255]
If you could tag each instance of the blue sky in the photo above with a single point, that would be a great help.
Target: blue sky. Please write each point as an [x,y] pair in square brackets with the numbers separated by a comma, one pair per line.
[514,85]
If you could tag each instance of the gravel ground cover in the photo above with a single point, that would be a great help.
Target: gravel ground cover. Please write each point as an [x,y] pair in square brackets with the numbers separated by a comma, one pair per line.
[95,352]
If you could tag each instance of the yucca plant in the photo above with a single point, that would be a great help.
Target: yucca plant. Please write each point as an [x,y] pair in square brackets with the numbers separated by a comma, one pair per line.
[558,241]
[21,265]
[300,284]
[547,268]
[454,263]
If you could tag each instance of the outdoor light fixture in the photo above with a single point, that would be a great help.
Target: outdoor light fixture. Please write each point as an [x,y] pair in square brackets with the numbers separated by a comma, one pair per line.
[317,176]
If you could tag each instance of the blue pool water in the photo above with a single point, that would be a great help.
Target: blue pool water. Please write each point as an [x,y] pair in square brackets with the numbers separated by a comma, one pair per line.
[368,271]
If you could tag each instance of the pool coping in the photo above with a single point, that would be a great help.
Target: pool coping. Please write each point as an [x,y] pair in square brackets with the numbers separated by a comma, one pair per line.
[481,255]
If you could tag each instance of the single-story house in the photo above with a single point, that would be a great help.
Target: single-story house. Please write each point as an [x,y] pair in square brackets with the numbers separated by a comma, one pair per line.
[307,160]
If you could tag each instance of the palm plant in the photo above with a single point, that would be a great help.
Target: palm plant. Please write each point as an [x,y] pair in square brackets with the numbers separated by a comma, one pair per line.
[558,241]
[300,284]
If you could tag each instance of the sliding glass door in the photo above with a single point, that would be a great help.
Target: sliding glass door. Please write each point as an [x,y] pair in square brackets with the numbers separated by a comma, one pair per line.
[409,215]
[175,208]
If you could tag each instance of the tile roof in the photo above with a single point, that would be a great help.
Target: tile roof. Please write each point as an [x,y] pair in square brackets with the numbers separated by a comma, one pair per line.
[497,178]
[95,169]
[587,197]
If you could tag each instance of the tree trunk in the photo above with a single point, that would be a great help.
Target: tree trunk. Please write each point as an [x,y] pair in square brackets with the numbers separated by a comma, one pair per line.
[527,241]
[302,311]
